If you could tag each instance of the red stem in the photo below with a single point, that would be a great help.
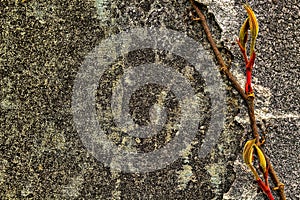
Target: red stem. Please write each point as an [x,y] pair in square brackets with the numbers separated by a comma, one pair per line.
[243,50]
[248,88]
[265,189]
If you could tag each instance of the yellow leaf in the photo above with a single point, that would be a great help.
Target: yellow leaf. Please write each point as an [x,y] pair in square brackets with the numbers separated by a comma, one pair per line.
[262,158]
[248,155]
[248,151]
[253,23]
[244,33]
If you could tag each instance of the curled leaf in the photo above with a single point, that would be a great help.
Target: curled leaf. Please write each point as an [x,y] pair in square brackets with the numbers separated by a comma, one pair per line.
[262,158]
[244,34]
[248,151]
[248,156]
[253,23]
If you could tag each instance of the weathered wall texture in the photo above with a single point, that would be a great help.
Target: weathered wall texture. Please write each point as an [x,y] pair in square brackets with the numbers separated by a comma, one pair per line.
[43,44]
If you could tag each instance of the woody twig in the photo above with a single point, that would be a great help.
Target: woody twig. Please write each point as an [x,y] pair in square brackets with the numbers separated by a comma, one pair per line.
[254,145]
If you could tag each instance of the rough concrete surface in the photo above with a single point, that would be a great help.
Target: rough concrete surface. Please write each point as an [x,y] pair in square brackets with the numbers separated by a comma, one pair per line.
[43,45]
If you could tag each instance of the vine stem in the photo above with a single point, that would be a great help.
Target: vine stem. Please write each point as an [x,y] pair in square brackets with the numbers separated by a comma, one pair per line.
[248,99]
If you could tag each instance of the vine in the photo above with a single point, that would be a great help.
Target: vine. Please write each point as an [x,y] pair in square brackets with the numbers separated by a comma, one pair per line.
[253,146]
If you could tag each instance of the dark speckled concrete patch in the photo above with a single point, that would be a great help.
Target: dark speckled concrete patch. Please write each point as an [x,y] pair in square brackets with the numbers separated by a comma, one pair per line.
[42,46]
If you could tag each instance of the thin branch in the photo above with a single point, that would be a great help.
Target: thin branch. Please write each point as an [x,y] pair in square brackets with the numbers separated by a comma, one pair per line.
[226,71]
[224,68]
[249,100]
[279,185]
[250,103]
